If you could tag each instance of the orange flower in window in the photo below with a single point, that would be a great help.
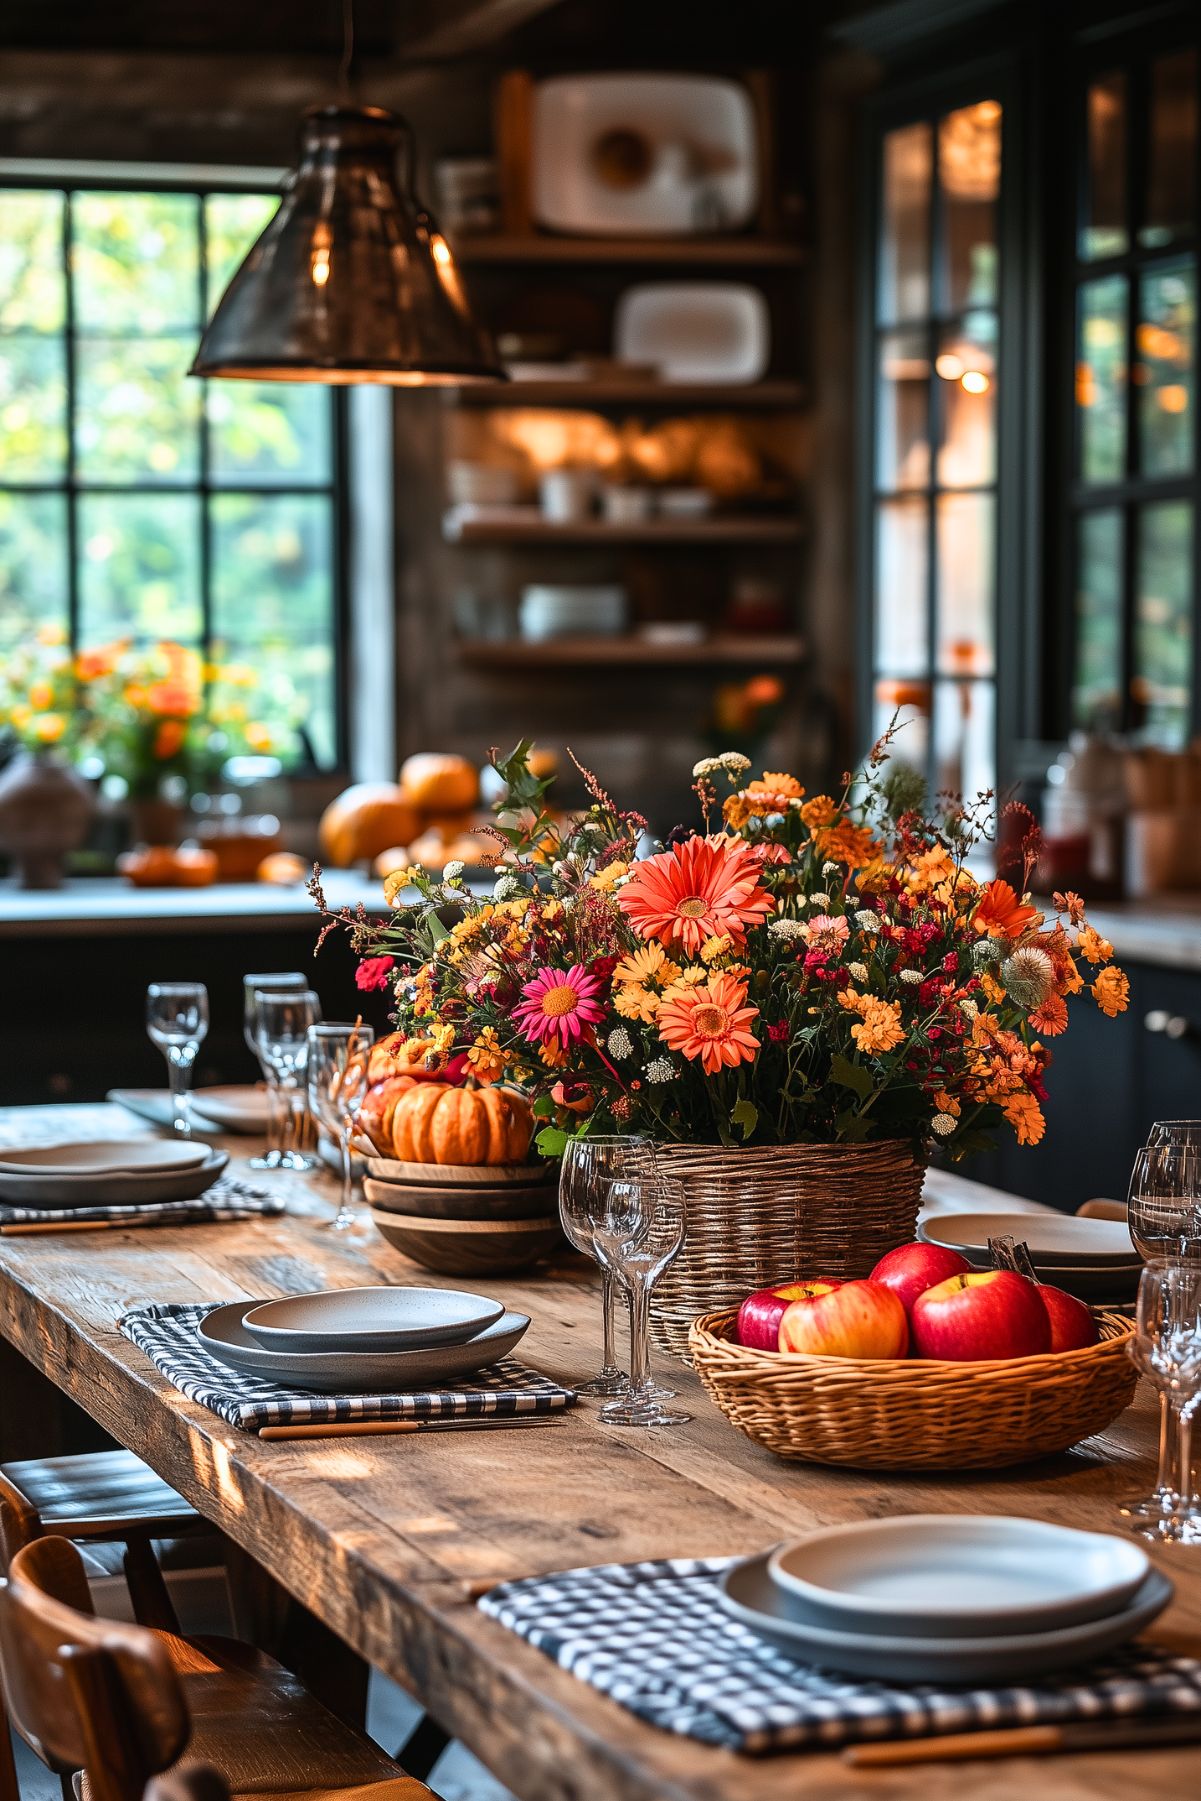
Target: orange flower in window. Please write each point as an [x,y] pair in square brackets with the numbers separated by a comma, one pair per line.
[1000,914]
[168,739]
[711,1022]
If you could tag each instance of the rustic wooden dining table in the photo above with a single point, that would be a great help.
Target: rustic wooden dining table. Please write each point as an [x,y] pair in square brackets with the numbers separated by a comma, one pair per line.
[389,1541]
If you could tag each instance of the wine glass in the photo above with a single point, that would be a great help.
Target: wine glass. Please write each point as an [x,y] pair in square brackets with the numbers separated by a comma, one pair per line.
[1164,1216]
[177,1019]
[587,1161]
[282,982]
[638,1227]
[1183,1132]
[282,1020]
[1166,1348]
[337,1073]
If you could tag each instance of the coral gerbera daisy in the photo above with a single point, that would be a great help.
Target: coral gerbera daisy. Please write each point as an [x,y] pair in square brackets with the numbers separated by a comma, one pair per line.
[558,1004]
[696,891]
[710,1021]
[1000,914]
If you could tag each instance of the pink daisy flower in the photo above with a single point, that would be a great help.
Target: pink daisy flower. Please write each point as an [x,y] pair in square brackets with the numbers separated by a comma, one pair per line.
[558,1005]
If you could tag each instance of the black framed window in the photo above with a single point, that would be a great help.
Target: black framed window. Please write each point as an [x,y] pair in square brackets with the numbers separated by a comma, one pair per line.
[1132,486]
[135,502]
[931,525]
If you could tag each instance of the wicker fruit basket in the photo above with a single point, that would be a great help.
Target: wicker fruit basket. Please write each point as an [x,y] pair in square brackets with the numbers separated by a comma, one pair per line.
[915,1413]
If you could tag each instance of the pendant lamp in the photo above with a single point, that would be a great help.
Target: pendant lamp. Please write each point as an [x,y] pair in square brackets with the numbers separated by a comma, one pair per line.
[351,281]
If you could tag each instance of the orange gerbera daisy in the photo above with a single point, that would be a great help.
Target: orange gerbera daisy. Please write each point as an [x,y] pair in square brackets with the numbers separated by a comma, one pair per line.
[1052,1017]
[1000,914]
[696,891]
[711,1021]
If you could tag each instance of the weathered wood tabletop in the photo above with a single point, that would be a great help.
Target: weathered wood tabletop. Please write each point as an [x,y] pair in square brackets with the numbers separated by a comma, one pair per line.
[388,1540]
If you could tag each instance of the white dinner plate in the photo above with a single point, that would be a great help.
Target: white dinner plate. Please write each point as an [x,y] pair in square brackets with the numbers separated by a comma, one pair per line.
[751,1597]
[229,1109]
[103,1157]
[695,331]
[371,1319]
[121,1189]
[1053,1238]
[356,1372]
[967,1575]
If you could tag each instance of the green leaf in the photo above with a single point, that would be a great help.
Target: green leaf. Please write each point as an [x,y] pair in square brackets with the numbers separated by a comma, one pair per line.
[551,1141]
[850,1128]
[744,1113]
[437,931]
[543,1107]
[851,1075]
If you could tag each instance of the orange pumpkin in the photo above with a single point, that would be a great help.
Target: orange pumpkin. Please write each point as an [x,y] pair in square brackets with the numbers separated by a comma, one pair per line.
[435,783]
[368,818]
[165,866]
[379,1105]
[282,867]
[435,851]
[398,1055]
[435,1123]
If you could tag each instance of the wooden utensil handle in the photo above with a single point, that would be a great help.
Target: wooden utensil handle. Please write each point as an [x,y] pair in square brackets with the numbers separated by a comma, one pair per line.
[26,1228]
[955,1747]
[343,1429]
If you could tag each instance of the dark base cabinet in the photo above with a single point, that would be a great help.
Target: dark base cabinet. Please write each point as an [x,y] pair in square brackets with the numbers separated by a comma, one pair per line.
[1109,1081]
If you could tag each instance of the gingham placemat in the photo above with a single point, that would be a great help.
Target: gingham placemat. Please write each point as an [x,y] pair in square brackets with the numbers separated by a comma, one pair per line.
[167,1334]
[655,1637]
[226,1199]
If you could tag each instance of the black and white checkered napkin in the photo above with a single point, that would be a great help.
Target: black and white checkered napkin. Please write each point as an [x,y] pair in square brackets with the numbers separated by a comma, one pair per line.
[655,1637]
[226,1199]
[168,1336]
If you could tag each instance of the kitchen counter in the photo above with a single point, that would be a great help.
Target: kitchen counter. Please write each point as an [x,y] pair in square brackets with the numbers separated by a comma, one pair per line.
[87,906]
[1164,931]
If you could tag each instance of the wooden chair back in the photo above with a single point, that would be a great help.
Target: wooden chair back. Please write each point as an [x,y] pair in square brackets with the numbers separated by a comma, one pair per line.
[88,1694]
[19,1523]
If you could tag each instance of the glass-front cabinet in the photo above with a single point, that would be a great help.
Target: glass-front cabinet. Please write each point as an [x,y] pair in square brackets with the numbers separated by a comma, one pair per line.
[936,367]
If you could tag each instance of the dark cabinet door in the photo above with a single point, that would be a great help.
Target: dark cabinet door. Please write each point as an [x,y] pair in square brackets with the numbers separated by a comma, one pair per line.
[1168,1009]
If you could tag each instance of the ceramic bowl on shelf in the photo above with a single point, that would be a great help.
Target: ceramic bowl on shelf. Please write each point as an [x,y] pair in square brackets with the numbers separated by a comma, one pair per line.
[569,609]
[695,331]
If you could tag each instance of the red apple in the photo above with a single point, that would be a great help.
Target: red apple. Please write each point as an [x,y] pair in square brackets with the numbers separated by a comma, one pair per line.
[857,1319]
[760,1314]
[1072,1325]
[912,1268]
[984,1314]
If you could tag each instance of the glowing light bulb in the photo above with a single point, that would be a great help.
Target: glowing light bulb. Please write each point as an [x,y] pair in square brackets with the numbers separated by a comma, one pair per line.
[974,381]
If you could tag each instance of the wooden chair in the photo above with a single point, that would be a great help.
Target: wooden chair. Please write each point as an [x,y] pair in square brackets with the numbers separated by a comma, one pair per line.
[120,1702]
[1100,1209]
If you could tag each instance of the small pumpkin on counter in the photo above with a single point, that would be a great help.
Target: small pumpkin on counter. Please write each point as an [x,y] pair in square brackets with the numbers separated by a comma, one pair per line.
[436,1123]
[165,866]
[365,820]
[435,851]
[282,867]
[438,783]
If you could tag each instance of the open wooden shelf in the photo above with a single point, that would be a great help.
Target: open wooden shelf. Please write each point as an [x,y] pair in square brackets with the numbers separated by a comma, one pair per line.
[746,253]
[723,396]
[722,530]
[592,652]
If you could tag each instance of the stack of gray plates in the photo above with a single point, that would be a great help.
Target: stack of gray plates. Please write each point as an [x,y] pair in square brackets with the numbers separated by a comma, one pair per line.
[107,1173]
[948,1597]
[363,1340]
[1093,1259]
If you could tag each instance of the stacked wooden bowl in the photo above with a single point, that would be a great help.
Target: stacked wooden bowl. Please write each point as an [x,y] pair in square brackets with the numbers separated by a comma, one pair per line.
[466,1219]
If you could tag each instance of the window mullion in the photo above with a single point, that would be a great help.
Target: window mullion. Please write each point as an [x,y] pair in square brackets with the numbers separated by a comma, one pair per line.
[206,524]
[73,606]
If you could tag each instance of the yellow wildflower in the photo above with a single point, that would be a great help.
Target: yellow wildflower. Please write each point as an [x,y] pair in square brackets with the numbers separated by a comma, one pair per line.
[717,946]
[400,879]
[1095,948]
[879,1027]
[486,1057]
[606,879]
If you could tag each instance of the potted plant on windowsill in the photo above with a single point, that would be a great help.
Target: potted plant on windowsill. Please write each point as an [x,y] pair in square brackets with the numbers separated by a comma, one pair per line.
[45,806]
[795,1001]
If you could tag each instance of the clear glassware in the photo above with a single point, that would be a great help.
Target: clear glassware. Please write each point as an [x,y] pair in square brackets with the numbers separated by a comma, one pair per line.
[268,982]
[337,1080]
[282,1020]
[1166,1348]
[1164,1216]
[1183,1132]
[638,1227]
[587,1161]
[177,1019]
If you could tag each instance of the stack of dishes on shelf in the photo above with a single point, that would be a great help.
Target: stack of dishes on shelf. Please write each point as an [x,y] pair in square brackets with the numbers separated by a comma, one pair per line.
[362,1340]
[1093,1259]
[114,1172]
[465,1219]
[948,1597]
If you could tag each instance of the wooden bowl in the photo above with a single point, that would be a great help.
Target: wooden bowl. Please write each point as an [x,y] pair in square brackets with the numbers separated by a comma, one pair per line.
[916,1413]
[462,1175]
[436,1202]
[483,1247]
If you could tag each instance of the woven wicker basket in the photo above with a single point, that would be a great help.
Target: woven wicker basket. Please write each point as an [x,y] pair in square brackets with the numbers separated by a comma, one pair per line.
[756,1217]
[915,1414]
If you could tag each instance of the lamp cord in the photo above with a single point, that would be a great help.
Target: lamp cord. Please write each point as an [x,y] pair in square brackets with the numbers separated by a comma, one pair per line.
[344,83]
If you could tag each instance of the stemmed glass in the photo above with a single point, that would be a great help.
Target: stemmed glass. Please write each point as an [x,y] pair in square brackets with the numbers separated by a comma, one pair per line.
[282,1021]
[587,1162]
[1166,1348]
[177,1019]
[337,1069]
[638,1227]
[283,982]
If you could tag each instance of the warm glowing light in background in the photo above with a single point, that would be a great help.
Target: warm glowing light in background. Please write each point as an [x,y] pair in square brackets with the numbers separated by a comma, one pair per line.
[949,366]
[974,381]
[319,260]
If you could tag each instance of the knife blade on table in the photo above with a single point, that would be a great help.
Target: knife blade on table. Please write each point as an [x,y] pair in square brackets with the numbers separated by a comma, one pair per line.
[398,1428]
[1019,1741]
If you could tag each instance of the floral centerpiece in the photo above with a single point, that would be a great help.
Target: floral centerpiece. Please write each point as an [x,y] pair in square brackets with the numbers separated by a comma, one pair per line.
[807,982]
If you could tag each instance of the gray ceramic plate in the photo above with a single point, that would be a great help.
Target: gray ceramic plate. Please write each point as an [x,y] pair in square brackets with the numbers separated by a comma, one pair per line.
[103,1157]
[751,1597]
[382,1318]
[1054,1239]
[926,1575]
[239,1110]
[356,1372]
[30,1190]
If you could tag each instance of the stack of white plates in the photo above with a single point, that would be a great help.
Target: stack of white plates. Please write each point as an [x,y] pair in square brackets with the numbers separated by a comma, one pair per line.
[1093,1259]
[362,1340]
[948,1597]
[111,1172]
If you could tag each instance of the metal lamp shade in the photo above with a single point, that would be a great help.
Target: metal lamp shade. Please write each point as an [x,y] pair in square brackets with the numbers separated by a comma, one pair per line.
[351,281]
